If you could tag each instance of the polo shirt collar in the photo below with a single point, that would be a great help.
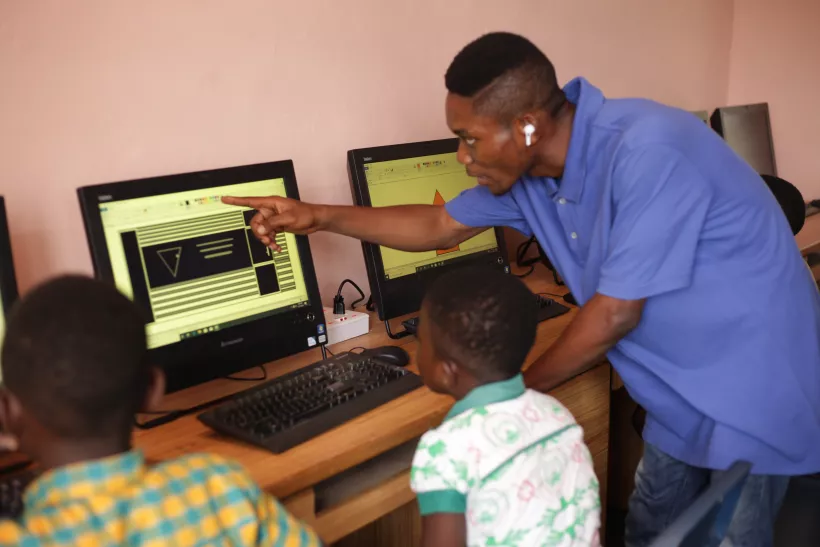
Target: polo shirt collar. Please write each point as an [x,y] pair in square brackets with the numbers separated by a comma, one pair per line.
[588,100]
[495,392]
[84,479]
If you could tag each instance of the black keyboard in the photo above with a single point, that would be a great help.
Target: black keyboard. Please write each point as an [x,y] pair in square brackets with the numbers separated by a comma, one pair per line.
[547,309]
[11,494]
[296,407]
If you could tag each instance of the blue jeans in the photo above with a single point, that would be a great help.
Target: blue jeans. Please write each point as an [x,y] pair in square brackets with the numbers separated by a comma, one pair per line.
[664,487]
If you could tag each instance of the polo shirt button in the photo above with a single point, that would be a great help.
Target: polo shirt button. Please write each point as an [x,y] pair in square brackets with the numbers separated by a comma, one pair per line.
[562,201]
[573,235]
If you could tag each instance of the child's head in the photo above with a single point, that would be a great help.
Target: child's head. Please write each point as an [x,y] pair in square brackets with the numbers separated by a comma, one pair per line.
[477,326]
[75,366]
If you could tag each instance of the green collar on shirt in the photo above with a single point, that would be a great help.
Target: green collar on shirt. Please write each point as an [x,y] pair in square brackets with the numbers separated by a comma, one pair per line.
[83,479]
[488,394]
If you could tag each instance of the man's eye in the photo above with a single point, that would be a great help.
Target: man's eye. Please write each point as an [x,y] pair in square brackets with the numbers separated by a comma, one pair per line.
[469,141]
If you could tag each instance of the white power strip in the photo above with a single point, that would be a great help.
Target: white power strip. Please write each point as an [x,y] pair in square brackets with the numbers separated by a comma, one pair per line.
[347,326]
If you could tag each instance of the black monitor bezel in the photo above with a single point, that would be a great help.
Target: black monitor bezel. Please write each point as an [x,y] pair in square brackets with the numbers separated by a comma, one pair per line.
[8,277]
[401,296]
[716,123]
[213,355]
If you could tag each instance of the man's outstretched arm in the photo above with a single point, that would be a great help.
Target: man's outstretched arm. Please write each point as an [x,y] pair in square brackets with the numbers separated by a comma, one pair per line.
[405,227]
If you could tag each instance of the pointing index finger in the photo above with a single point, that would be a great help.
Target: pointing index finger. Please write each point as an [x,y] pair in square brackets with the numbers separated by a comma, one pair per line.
[252,202]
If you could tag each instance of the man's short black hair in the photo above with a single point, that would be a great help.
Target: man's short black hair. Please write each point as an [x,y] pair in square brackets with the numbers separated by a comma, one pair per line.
[483,320]
[506,75]
[75,355]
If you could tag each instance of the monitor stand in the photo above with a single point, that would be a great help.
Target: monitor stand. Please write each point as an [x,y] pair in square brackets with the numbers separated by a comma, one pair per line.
[410,327]
[547,309]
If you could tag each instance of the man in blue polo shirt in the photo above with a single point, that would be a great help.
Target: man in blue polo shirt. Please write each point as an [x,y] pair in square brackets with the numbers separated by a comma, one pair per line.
[687,274]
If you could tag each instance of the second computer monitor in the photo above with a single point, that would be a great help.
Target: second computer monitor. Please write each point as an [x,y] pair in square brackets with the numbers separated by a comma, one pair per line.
[410,174]
[747,130]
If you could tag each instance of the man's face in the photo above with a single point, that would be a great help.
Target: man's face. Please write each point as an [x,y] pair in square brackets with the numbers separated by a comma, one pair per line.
[492,152]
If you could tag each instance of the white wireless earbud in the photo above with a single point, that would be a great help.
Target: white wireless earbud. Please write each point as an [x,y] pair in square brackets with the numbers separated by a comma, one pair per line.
[529,130]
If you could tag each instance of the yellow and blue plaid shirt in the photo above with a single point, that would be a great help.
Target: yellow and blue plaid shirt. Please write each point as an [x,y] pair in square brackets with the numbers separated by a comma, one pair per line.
[194,500]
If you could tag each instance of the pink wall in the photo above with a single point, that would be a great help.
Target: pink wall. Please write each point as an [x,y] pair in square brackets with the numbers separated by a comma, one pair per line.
[101,90]
[775,58]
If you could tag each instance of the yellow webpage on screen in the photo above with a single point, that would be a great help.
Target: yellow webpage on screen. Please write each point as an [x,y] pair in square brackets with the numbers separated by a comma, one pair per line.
[192,261]
[432,180]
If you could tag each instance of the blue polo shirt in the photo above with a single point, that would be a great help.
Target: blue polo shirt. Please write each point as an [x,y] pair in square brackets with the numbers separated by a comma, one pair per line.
[653,204]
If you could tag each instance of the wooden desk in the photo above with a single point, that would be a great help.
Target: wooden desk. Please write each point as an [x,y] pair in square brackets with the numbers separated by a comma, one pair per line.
[808,239]
[293,475]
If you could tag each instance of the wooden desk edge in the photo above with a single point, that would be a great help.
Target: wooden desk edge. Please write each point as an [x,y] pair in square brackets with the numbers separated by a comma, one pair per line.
[337,522]
[808,238]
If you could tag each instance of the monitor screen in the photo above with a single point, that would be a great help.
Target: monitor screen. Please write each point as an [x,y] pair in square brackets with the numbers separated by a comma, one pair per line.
[425,173]
[8,280]
[747,130]
[431,180]
[193,265]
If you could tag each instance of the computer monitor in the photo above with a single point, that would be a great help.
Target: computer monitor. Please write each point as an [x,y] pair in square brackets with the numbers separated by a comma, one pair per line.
[747,130]
[8,280]
[217,301]
[415,173]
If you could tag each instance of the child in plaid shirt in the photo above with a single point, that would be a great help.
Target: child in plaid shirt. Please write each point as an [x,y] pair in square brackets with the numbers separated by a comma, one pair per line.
[75,372]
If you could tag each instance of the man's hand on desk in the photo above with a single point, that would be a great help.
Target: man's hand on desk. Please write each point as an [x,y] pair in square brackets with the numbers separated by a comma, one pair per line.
[597,327]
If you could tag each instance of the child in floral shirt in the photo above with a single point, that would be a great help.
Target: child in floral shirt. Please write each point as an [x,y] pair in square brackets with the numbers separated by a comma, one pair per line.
[508,466]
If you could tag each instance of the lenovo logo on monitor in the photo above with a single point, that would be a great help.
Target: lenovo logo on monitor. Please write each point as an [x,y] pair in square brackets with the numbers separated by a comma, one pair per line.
[233,342]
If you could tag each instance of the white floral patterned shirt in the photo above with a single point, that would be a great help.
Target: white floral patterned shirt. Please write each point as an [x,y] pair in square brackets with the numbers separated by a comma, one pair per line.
[514,462]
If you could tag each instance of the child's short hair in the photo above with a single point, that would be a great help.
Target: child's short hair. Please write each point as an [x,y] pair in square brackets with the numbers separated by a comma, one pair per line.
[483,320]
[75,355]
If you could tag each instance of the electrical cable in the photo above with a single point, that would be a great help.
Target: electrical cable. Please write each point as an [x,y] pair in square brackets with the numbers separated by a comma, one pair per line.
[339,301]
[166,416]
[254,379]
[520,257]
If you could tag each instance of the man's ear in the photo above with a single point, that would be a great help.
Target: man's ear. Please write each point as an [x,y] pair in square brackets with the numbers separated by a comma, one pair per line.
[527,129]
[11,420]
[155,391]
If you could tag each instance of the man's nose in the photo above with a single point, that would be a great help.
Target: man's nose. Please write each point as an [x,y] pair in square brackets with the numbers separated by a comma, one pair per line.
[463,156]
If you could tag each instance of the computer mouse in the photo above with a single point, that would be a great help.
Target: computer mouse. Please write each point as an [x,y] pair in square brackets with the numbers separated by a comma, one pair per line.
[392,354]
